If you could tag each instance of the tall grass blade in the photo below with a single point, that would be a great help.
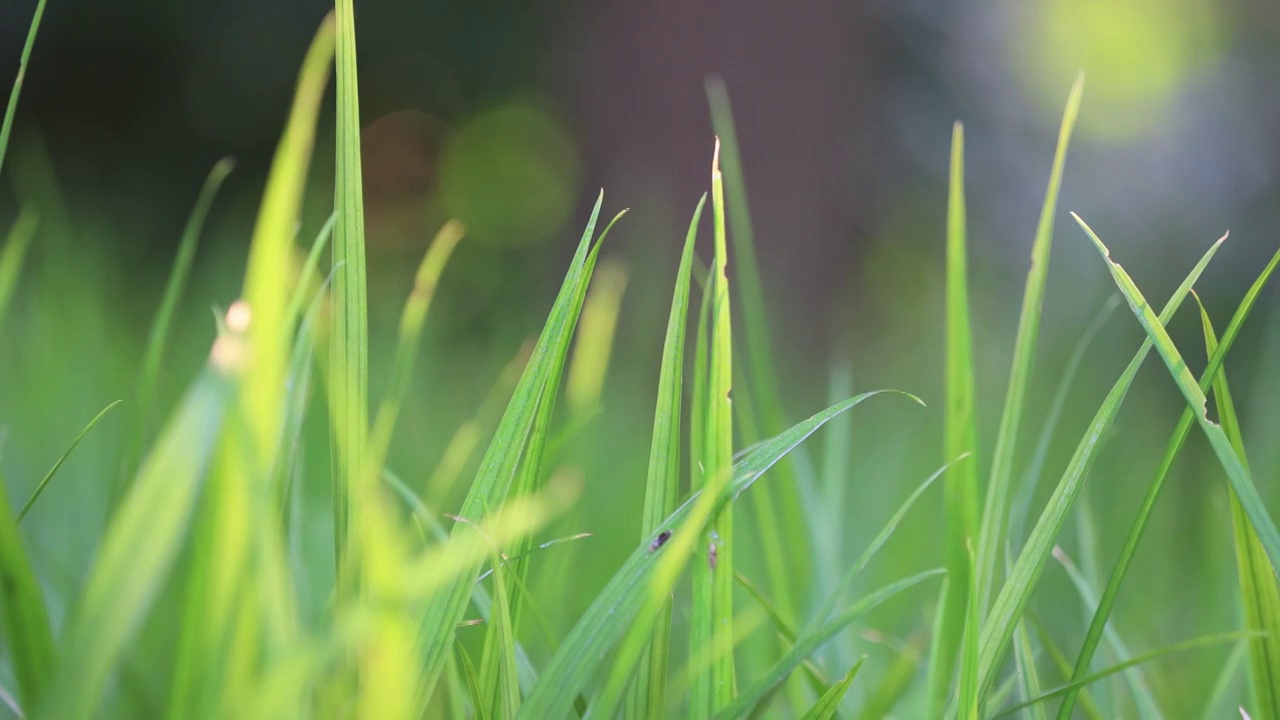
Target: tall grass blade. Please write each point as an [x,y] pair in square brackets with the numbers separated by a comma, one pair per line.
[6,127]
[811,640]
[1179,436]
[1014,595]
[647,697]
[28,635]
[829,703]
[1258,590]
[991,538]
[349,335]
[13,253]
[643,584]
[44,482]
[711,623]
[500,463]
[594,345]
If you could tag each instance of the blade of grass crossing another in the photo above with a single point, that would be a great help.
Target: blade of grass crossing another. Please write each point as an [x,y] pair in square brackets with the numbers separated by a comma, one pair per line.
[647,697]
[1258,590]
[829,703]
[996,507]
[1179,436]
[961,484]
[28,635]
[1016,591]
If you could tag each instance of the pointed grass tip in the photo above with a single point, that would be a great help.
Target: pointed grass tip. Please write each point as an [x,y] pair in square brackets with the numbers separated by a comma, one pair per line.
[715,159]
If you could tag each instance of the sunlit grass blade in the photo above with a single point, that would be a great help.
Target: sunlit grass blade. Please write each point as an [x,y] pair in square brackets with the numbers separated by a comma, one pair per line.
[1237,473]
[711,621]
[961,501]
[1121,667]
[1179,436]
[811,640]
[501,643]
[44,482]
[1258,590]
[500,464]
[13,253]
[646,578]
[1146,702]
[595,338]
[158,336]
[647,697]
[473,684]
[6,127]
[306,286]
[1017,589]
[785,538]
[991,537]
[349,336]
[141,541]
[829,703]
[28,636]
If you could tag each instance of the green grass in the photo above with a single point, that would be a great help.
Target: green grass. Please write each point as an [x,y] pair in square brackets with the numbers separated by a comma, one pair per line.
[279,547]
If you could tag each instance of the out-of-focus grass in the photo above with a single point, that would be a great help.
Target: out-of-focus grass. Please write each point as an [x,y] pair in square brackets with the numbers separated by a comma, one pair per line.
[276,554]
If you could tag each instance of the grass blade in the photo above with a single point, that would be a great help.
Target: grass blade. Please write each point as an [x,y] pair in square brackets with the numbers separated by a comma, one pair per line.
[13,253]
[811,640]
[961,436]
[1112,590]
[991,538]
[1237,473]
[1258,590]
[26,621]
[1014,595]
[6,127]
[711,624]
[1217,699]
[1121,667]
[35,494]
[829,703]
[595,339]
[644,581]
[647,698]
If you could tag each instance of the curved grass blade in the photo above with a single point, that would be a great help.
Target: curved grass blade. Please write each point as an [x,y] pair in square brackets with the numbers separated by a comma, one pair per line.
[1013,596]
[829,703]
[960,436]
[595,339]
[13,253]
[785,631]
[1179,436]
[1087,704]
[811,640]
[499,466]
[644,582]
[27,632]
[647,697]
[1121,667]
[44,482]
[141,542]
[7,125]
[310,267]
[1258,590]
[991,538]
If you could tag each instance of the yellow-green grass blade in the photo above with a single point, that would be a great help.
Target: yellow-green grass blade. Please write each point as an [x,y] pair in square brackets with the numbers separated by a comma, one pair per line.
[142,540]
[349,333]
[158,336]
[784,629]
[711,621]
[960,435]
[473,684]
[44,482]
[29,638]
[1148,707]
[1259,593]
[1122,666]
[811,640]
[1016,591]
[1060,661]
[784,534]
[970,693]
[1179,436]
[594,345]
[6,127]
[306,286]
[501,642]
[500,464]
[647,697]
[999,492]
[13,253]
[829,703]
[628,605]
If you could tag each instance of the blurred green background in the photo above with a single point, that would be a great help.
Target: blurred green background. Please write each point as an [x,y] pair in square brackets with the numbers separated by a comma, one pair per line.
[511,116]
